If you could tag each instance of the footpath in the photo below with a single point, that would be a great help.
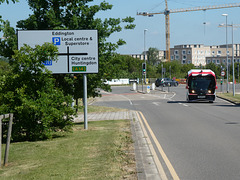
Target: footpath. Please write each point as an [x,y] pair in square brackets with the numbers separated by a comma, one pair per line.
[145,164]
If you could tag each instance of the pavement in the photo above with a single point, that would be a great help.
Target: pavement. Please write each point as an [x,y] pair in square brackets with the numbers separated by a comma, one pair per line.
[145,164]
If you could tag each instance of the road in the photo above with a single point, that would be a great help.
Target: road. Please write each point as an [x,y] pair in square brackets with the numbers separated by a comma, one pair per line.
[200,140]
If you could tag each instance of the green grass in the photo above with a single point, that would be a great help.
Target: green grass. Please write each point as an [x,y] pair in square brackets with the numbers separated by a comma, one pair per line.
[230,96]
[104,151]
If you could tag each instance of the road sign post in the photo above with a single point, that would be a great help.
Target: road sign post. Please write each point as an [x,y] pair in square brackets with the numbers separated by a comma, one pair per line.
[78,52]
[222,81]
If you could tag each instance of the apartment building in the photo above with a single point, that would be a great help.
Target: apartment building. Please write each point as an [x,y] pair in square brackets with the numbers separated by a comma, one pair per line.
[161,56]
[139,56]
[201,55]
[219,54]
[190,54]
[198,54]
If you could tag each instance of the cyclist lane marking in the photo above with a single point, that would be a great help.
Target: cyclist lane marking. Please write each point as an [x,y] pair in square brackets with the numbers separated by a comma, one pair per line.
[160,149]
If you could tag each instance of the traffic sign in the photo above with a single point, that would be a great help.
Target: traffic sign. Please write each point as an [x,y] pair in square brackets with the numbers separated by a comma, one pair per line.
[148,89]
[78,49]
[223,73]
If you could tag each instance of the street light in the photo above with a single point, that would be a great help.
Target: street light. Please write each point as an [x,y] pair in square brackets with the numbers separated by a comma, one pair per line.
[233,63]
[145,54]
[238,72]
[226,50]
[231,25]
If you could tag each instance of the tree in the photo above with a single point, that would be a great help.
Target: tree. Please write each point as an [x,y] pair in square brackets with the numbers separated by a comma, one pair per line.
[177,69]
[29,91]
[7,1]
[125,66]
[9,41]
[215,68]
[185,68]
[153,55]
[4,66]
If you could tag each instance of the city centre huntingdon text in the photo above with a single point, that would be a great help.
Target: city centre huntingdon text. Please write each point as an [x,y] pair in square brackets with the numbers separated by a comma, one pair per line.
[78,49]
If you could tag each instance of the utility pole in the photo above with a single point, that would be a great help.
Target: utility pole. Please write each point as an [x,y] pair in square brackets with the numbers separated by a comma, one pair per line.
[145,55]
[227,50]
[233,26]
[238,72]
[233,63]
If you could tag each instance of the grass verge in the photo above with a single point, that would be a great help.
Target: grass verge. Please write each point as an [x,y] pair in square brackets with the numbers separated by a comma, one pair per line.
[229,96]
[105,151]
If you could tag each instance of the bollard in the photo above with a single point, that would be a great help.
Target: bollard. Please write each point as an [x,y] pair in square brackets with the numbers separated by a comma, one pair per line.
[169,87]
[153,86]
[148,89]
[134,86]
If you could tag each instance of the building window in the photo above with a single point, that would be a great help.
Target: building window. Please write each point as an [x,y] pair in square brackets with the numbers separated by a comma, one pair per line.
[195,45]
[184,57]
[209,61]
[183,51]
[224,60]
[189,52]
[213,52]
[177,57]
[189,62]
[218,61]
[219,52]
[214,61]
[172,57]
[176,52]
[184,62]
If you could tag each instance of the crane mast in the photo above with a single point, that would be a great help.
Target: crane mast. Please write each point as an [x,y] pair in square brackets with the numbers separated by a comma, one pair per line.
[167,29]
[167,12]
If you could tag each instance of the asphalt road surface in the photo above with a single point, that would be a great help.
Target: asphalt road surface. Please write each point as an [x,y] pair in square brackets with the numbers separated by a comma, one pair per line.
[201,140]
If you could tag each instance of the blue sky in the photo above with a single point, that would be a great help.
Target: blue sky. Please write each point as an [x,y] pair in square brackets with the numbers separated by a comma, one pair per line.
[185,28]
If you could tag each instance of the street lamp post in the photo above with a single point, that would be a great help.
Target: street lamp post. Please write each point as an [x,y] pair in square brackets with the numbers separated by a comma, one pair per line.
[145,55]
[233,64]
[226,50]
[238,72]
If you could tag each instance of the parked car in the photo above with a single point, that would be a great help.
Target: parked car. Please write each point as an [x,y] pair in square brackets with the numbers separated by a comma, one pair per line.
[165,82]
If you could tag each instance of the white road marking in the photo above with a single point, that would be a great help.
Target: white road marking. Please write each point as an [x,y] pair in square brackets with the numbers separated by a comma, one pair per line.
[129,100]
[156,103]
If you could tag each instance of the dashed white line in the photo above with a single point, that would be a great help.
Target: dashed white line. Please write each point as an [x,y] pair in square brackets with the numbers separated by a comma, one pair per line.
[156,103]
[183,104]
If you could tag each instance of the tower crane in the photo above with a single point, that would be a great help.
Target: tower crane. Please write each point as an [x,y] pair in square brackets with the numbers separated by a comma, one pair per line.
[167,12]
